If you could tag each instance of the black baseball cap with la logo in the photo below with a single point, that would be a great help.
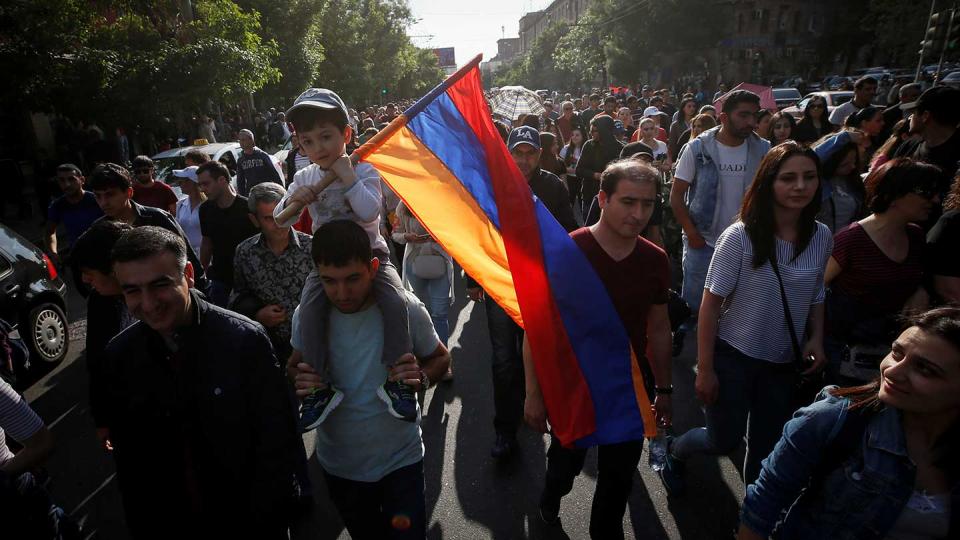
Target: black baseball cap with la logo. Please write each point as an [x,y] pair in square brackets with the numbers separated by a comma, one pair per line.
[524,135]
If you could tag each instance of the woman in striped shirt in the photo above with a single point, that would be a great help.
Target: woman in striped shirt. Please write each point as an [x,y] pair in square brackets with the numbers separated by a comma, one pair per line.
[746,369]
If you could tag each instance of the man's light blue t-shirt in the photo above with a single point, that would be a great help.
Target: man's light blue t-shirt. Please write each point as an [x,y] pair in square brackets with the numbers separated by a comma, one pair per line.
[360,440]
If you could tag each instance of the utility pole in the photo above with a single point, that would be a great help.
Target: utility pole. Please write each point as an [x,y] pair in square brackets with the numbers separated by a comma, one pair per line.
[933,4]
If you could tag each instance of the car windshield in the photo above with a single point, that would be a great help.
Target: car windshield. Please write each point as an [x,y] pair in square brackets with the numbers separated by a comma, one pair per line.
[840,99]
[165,167]
[786,93]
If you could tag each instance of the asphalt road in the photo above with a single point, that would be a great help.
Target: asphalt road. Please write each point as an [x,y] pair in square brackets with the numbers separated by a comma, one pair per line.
[468,494]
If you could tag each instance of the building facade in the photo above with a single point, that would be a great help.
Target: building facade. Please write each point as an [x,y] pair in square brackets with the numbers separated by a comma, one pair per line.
[534,23]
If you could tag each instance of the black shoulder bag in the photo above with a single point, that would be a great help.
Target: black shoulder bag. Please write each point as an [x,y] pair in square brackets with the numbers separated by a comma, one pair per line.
[807,385]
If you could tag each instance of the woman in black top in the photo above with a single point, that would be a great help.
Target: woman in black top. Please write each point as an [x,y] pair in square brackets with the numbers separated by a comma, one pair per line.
[602,148]
[814,123]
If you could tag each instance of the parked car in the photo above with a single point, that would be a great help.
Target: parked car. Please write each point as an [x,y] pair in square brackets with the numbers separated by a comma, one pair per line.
[33,300]
[834,99]
[226,152]
[786,97]
[951,79]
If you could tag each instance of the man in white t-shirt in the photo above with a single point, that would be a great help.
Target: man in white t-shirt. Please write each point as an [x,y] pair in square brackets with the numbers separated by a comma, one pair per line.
[864,91]
[711,178]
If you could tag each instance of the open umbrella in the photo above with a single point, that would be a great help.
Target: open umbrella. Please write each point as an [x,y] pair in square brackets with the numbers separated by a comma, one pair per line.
[765,93]
[513,101]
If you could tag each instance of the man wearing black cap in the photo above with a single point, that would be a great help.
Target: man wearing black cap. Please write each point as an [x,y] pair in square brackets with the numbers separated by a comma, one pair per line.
[935,117]
[506,337]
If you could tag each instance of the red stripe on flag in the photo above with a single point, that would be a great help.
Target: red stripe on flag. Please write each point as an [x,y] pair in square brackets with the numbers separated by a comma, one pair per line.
[565,391]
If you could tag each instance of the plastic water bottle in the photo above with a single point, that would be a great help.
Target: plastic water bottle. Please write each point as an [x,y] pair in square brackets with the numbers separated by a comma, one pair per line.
[657,448]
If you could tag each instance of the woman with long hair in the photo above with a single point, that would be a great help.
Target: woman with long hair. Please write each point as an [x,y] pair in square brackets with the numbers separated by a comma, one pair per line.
[625,115]
[745,380]
[686,114]
[873,461]
[898,135]
[843,191]
[814,124]
[869,121]
[698,125]
[877,266]
[648,136]
[602,148]
[549,155]
[781,128]
[570,155]
[764,117]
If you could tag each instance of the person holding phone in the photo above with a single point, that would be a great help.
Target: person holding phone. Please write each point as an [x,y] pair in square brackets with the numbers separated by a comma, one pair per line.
[766,278]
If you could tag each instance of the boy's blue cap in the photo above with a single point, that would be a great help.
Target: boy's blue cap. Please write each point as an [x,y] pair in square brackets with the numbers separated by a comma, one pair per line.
[524,135]
[320,98]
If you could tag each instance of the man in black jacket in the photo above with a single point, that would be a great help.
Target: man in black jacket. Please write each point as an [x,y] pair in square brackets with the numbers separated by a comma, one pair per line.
[201,420]
[113,187]
[506,337]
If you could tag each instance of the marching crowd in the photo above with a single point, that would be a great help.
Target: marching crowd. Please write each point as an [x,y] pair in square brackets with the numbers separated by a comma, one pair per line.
[818,258]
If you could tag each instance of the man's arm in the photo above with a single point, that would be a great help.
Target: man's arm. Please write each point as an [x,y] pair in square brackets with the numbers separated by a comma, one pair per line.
[206,252]
[680,213]
[659,347]
[52,237]
[35,451]
[534,410]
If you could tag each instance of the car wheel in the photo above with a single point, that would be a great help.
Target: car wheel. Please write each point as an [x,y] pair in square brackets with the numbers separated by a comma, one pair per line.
[47,335]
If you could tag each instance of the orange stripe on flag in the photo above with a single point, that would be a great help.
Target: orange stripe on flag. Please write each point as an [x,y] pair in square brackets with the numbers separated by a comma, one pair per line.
[643,400]
[446,209]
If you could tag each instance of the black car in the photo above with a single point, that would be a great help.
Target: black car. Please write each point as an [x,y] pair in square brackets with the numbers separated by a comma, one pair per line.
[33,299]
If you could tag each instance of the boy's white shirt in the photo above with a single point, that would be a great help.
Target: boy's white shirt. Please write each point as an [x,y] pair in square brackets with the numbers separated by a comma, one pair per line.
[361,203]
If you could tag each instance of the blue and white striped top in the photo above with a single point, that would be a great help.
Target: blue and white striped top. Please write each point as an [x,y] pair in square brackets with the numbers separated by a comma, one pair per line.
[751,317]
[16,418]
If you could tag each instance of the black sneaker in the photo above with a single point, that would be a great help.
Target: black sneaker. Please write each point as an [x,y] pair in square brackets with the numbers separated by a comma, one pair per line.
[672,474]
[549,510]
[504,447]
[401,400]
[317,406]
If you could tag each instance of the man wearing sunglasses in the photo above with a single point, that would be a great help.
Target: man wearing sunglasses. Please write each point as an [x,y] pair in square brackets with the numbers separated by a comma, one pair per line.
[147,191]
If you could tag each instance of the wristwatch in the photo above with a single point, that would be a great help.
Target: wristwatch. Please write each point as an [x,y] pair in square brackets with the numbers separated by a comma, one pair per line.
[664,390]
[424,380]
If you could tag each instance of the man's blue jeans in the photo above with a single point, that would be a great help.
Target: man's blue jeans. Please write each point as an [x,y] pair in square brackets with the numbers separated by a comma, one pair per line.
[695,265]
[391,509]
[755,399]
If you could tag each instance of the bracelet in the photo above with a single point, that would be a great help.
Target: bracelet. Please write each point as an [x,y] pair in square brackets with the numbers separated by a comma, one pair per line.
[664,390]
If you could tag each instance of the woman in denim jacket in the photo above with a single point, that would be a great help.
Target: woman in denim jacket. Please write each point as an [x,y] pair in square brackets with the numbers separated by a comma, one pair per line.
[878,461]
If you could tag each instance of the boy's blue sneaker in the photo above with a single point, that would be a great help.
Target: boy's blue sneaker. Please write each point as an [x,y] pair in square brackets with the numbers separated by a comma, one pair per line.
[317,406]
[401,400]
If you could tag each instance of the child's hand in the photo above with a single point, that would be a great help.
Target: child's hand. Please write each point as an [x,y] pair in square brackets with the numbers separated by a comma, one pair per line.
[343,168]
[303,195]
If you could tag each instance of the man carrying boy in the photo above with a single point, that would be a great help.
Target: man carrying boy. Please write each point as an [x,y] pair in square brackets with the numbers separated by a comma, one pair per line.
[321,122]
[373,464]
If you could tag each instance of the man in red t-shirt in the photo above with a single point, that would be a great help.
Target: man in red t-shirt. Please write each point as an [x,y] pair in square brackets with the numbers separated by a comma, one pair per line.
[147,191]
[636,275]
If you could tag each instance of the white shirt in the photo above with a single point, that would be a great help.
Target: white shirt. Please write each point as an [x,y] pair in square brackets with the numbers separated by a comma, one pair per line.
[732,164]
[189,219]
[360,203]
[840,114]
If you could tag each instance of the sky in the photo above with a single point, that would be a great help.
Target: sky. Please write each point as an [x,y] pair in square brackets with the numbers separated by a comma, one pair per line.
[470,26]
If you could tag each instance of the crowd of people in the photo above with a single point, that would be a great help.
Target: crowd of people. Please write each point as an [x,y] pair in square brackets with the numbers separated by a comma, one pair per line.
[812,254]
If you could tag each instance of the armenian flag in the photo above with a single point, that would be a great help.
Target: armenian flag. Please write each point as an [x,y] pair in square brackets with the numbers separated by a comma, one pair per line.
[444,158]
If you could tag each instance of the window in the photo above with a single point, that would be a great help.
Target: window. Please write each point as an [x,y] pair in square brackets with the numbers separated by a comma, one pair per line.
[739,23]
[764,21]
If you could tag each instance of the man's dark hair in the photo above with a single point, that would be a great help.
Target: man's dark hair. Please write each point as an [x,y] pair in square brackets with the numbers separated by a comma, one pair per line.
[307,118]
[215,169]
[142,161]
[392,104]
[142,242]
[740,96]
[610,99]
[864,81]
[594,97]
[631,98]
[92,250]
[627,169]
[339,243]
[897,178]
[109,175]
[69,168]
[656,98]
[197,156]
[503,129]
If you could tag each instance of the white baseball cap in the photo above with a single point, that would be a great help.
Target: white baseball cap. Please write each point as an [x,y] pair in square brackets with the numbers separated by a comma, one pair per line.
[189,173]
[650,111]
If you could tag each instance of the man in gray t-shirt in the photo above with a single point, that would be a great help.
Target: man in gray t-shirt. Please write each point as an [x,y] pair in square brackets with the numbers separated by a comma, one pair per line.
[372,461]
[716,170]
